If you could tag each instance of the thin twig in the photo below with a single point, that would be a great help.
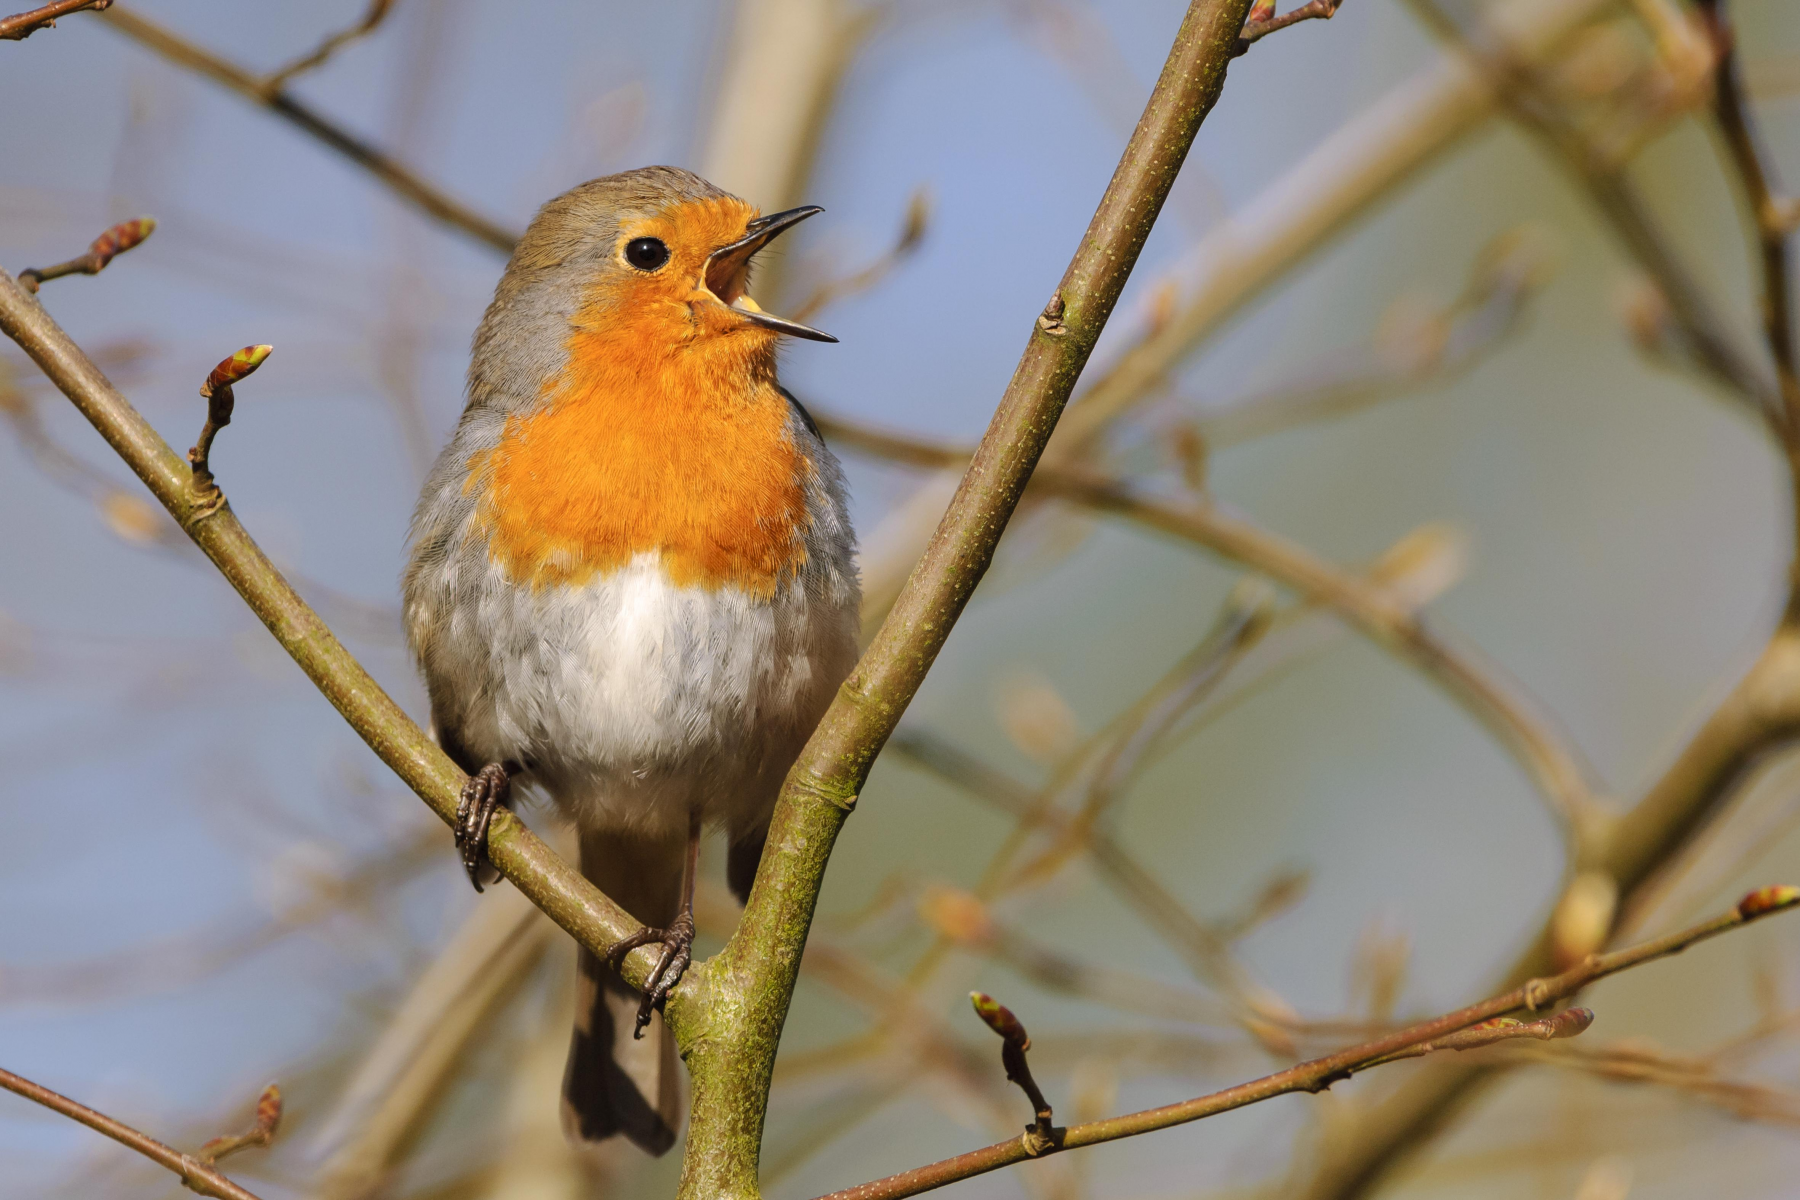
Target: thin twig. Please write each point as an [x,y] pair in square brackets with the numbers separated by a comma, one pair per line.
[195,1174]
[1319,1074]
[1314,202]
[912,233]
[1247,616]
[399,179]
[1751,164]
[1695,1079]
[1433,350]
[553,885]
[1015,1044]
[261,1132]
[105,248]
[1559,772]
[1320,10]
[376,13]
[1206,953]
[18,28]
[216,391]
[1708,335]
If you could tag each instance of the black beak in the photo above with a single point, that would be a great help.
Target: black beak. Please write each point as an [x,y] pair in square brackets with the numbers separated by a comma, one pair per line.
[727,262]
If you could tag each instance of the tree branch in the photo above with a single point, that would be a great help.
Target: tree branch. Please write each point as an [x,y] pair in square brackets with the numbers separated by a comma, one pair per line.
[1708,335]
[373,16]
[1761,713]
[552,884]
[1314,202]
[18,28]
[1319,1074]
[196,1174]
[732,1047]
[1259,27]
[399,179]
[108,246]
[1555,767]
[1767,217]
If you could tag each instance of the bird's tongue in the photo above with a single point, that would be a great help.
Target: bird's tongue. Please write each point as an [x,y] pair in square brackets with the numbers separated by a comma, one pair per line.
[750,308]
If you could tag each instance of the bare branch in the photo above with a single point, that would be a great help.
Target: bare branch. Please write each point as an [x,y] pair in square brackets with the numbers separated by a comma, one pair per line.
[732,1062]
[912,233]
[1707,335]
[1205,950]
[1451,1031]
[1560,774]
[553,885]
[1260,26]
[1770,216]
[1314,202]
[1697,1080]
[216,391]
[375,14]
[1014,1043]
[399,179]
[261,1132]
[18,28]
[409,1066]
[105,248]
[197,1174]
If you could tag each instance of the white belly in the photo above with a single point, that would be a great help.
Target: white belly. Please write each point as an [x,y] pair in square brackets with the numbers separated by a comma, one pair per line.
[632,700]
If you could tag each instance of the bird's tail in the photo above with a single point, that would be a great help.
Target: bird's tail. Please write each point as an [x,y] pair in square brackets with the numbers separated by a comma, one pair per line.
[616,1084]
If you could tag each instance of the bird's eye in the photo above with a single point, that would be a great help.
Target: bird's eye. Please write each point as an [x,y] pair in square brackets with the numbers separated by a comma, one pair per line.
[646,254]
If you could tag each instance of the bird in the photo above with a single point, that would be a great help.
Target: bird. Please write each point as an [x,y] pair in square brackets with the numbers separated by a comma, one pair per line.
[631,585]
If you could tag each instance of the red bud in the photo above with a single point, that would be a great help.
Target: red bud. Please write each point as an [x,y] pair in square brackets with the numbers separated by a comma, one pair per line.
[120,238]
[1769,899]
[237,367]
[1000,1019]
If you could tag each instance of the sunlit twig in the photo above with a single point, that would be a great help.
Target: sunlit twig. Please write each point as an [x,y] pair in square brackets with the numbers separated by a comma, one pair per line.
[197,1174]
[21,26]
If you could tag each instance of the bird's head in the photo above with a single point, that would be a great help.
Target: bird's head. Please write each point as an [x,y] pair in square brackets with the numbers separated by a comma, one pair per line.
[657,260]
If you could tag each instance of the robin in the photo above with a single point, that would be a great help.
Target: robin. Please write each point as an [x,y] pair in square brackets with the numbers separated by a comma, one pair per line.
[631,583]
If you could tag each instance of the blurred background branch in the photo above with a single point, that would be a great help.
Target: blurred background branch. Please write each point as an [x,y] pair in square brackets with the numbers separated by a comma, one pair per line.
[1176,814]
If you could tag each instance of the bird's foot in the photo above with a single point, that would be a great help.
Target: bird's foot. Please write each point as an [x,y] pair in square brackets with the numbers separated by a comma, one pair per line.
[677,942]
[488,789]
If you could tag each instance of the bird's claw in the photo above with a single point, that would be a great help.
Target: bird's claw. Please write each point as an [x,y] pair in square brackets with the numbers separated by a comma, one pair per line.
[488,789]
[677,942]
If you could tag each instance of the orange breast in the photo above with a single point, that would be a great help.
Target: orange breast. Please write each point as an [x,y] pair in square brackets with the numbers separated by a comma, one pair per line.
[650,444]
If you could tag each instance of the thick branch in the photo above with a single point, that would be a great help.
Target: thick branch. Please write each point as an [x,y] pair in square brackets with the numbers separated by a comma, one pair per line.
[595,921]
[400,180]
[731,1058]
[196,1175]
[1320,1073]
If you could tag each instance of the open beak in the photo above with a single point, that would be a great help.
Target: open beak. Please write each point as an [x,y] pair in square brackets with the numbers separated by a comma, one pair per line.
[728,264]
